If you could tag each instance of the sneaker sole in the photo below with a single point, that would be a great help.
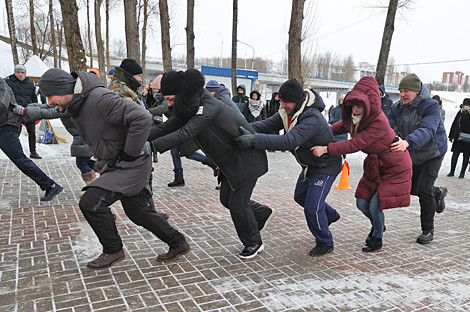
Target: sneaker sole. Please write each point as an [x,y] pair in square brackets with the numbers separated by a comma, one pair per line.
[424,242]
[261,248]
[273,213]
[319,255]
[181,254]
[106,267]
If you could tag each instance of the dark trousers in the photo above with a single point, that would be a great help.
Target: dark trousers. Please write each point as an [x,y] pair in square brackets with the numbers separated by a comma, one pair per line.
[84,164]
[31,128]
[422,185]
[311,193]
[11,146]
[243,210]
[453,163]
[95,207]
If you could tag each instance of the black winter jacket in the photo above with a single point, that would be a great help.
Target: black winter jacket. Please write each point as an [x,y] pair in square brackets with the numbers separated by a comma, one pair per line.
[213,127]
[308,128]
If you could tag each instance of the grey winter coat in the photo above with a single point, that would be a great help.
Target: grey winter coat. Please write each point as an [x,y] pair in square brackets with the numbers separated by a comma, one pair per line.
[112,125]
[7,103]
[43,111]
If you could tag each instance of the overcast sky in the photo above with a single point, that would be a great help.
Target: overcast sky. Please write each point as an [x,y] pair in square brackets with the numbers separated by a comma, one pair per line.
[431,31]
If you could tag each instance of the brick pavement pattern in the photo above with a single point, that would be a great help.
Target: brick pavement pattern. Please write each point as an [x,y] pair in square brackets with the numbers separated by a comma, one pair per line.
[44,247]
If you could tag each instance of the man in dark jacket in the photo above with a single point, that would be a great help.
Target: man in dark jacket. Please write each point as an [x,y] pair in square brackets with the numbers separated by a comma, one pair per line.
[305,127]
[25,93]
[273,105]
[212,124]
[386,101]
[116,129]
[241,99]
[417,121]
[11,115]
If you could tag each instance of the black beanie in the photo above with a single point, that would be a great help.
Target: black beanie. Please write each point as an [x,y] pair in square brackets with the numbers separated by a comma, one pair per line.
[56,81]
[438,99]
[171,82]
[131,66]
[291,91]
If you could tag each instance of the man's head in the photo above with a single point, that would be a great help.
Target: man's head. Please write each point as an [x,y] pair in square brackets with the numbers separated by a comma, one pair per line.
[20,72]
[58,86]
[291,93]
[437,98]
[410,87]
[111,73]
[133,68]
[382,91]
[212,86]
[170,85]
[240,90]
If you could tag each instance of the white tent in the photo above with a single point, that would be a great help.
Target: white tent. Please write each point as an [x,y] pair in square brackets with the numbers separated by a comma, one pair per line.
[35,67]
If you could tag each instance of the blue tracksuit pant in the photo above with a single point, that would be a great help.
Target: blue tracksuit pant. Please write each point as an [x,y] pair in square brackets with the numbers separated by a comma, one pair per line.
[311,193]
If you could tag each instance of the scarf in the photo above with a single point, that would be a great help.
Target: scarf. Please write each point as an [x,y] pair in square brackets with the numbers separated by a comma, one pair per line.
[255,107]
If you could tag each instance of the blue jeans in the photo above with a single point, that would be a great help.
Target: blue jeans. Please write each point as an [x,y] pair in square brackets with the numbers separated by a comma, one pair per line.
[85,164]
[311,194]
[376,216]
[175,155]
[11,146]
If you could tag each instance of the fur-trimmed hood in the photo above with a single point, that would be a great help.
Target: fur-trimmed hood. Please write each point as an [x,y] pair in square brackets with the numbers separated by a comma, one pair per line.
[187,98]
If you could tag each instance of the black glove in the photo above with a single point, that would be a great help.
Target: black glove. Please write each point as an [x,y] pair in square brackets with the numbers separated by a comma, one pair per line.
[126,157]
[244,141]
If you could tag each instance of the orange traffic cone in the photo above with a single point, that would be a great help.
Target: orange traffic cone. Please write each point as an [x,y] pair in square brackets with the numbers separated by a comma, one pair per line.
[344,179]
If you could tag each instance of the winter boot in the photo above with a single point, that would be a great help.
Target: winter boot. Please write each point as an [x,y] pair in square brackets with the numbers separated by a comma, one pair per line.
[373,245]
[88,178]
[179,181]
[462,174]
[210,163]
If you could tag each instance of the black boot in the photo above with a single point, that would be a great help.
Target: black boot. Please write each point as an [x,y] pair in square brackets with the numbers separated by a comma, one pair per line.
[179,181]
[462,174]
[373,245]
[369,237]
[210,163]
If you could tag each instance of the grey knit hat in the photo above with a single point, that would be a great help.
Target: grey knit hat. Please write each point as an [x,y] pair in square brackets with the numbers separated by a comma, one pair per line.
[20,68]
[410,82]
[56,81]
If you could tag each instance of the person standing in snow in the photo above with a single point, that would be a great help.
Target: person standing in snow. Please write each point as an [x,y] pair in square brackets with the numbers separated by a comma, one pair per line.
[240,99]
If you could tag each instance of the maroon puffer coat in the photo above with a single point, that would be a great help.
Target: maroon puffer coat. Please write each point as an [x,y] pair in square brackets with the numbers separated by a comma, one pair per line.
[385,172]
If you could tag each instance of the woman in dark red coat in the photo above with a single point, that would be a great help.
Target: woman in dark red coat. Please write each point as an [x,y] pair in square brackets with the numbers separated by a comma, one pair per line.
[386,182]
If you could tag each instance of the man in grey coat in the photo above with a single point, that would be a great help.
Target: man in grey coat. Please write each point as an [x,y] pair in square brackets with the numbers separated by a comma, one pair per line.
[116,129]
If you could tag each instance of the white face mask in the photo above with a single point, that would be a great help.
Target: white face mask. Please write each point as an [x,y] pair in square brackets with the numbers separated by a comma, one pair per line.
[356,119]
[466,107]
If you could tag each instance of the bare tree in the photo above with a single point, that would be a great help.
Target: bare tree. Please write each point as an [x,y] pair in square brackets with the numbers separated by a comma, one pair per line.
[108,63]
[12,30]
[73,40]
[32,27]
[53,33]
[165,29]
[144,39]
[295,41]
[118,47]
[132,29]
[348,68]
[60,42]
[99,40]
[190,35]
[386,42]
[234,47]
[88,28]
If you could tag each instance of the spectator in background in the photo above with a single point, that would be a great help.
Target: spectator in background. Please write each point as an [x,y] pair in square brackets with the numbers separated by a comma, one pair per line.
[386,101]
[273,105]
[95,71]
[336,116]
[110,74]
[25,93]
[256,110]
[330,113]
[460,125]
[437,98]
[241,99]
[220,92]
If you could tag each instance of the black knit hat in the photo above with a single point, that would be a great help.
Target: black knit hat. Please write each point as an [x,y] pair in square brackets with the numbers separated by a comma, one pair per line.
[291,91]
[131,66]
[438,99]
[56,81]
[171,82]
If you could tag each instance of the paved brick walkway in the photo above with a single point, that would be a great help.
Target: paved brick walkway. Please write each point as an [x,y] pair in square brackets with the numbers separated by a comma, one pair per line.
[44,247]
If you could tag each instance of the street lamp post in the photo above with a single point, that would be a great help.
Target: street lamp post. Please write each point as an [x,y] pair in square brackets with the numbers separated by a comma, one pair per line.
[253,59]
[221,49]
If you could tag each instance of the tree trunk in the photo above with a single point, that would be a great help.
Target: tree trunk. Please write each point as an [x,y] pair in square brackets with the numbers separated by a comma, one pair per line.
[295,41]
[99,40]
[234,47]
[33,28]
[73,39]
[59,43]
[132,29]
[12,30]
[90,48]
[53,38]
[190,35]
[165,28]
[108,63]
[144,41]
[386,42]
